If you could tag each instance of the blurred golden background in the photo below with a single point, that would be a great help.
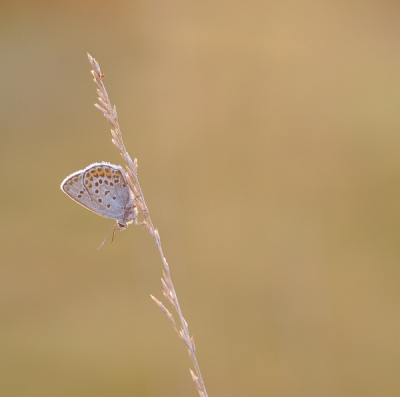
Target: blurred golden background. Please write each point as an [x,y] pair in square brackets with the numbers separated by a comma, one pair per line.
[268,140]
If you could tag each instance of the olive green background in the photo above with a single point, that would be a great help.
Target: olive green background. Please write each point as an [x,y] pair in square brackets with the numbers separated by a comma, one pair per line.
[268,140]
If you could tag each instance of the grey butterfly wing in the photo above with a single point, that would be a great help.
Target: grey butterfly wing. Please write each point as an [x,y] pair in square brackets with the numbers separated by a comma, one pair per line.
[74,187]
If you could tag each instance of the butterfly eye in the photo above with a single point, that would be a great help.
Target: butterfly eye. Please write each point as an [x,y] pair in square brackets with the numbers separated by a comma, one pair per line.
[121,226]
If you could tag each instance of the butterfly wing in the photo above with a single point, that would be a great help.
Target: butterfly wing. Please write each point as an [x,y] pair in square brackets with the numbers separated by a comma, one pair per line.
[101,188]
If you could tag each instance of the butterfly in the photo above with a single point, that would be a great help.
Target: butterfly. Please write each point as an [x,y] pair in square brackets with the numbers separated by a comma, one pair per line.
[103,189]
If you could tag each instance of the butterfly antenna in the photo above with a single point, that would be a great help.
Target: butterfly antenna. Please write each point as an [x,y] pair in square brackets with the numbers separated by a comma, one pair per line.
[105,238]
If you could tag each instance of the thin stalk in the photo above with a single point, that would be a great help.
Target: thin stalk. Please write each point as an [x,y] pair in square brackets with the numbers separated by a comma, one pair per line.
[110,113]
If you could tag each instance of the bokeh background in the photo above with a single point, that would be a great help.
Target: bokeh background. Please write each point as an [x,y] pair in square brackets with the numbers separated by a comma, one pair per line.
[268,141]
